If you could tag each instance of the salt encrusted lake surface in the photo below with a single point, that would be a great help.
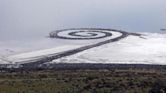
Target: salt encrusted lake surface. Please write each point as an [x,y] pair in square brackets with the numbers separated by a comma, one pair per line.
[25,25]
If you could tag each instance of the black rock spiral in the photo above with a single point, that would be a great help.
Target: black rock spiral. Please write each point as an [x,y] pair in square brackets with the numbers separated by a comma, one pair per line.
[82,33]
[79,34]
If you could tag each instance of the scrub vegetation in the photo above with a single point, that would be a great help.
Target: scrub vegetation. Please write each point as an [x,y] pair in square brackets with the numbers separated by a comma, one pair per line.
[131,80]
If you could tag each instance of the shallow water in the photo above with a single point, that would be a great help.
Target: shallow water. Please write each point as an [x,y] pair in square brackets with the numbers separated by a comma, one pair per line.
[26,21]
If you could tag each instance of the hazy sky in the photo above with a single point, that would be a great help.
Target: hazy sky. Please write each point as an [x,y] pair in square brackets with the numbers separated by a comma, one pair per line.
[32,19]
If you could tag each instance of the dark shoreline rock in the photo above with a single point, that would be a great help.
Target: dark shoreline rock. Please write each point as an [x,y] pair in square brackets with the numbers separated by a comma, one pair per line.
[82,66]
